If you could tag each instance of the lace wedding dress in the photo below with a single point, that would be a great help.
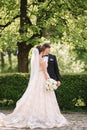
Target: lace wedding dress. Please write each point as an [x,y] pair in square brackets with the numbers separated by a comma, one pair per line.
[37,108]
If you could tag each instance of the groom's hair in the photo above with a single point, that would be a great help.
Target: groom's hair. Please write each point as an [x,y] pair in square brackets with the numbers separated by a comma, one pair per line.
[46,45]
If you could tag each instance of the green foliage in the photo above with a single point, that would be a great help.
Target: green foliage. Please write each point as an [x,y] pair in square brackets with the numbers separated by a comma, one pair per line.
[9,24]
[5,103]
[68,59]
[9,68]
[57,20]
[72,94]
[12,86]
[51,19]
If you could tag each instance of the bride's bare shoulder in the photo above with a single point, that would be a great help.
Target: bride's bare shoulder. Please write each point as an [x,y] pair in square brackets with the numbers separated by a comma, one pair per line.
[42,61]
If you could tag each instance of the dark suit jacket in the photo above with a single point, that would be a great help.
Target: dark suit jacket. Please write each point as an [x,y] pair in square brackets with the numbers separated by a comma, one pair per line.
[52,68]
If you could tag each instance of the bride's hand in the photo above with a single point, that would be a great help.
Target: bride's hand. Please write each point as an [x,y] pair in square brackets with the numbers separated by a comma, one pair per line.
[47,77]
[58,83]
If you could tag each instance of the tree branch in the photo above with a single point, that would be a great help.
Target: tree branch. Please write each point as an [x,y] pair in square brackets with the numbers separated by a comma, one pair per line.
[8,23]
[46,15]
[49,3]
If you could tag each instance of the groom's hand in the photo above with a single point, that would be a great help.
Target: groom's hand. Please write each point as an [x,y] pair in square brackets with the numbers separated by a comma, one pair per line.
[58,83]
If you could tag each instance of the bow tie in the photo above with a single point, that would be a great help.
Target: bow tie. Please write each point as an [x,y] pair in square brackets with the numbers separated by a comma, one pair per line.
[45,55]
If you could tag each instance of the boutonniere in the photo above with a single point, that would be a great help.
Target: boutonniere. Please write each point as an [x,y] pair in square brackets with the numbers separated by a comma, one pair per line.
[51,59]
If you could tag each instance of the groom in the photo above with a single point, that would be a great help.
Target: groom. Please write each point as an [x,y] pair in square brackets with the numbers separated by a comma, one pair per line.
[52,68]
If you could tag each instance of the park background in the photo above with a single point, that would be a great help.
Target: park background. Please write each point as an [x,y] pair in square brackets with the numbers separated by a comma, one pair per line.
[27,23]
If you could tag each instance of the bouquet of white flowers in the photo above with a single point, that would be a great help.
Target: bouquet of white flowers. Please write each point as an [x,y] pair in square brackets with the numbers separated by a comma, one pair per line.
[51,84]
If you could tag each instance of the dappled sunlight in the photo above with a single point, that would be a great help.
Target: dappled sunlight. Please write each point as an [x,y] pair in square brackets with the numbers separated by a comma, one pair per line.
[67,58]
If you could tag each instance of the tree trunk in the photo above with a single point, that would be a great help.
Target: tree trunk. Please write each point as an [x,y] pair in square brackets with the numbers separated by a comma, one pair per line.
[23,16]
[23,51]
[2,61]
[9,59]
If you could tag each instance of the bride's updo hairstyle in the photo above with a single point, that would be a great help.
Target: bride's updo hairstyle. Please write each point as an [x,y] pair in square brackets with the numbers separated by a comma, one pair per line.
[40,48]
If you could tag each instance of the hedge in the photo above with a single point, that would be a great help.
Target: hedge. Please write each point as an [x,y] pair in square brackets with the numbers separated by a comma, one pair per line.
[12,86]
[73,91]
[71,94]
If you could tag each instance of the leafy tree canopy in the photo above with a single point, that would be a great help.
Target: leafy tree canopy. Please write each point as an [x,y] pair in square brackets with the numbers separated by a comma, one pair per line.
[57,20]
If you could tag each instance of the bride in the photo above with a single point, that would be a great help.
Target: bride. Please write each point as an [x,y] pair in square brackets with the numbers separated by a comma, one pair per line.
[38,107]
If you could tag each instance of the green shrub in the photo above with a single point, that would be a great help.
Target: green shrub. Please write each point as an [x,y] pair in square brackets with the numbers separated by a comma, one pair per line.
[12,86]
[71,94]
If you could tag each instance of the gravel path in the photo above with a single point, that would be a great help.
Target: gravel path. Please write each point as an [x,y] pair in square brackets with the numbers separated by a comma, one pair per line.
[78,121]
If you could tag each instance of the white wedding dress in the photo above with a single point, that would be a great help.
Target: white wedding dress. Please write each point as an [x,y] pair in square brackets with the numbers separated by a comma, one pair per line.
[37,108]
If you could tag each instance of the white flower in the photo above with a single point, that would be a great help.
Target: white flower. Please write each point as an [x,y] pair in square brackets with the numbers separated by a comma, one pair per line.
[51,84]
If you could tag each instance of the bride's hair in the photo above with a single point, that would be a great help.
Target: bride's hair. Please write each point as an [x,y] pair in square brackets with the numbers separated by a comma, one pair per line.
[40,48]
